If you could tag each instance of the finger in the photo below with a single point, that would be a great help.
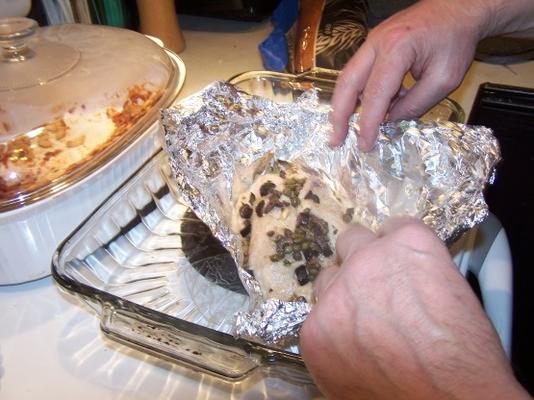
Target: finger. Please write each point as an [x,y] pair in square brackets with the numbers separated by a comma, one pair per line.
[403,91]
[324,280]
[393,224]
[428,91]
[384,83]
[349,85]
[352,240]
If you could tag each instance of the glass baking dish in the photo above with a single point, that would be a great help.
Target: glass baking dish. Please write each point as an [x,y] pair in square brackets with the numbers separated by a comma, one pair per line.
[161,282]
[285,88]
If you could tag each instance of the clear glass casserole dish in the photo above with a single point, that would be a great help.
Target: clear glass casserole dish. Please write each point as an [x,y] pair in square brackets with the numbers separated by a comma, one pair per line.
[161,282]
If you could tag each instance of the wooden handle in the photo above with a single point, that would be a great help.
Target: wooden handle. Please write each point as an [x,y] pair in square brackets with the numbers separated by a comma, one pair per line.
[307,28]
[158,18]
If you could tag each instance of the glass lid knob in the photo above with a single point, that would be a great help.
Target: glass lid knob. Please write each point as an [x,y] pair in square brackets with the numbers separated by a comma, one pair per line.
[29,60]
[13,35]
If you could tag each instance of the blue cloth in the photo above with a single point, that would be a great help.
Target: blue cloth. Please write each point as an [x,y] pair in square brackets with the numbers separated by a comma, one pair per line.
[274,49]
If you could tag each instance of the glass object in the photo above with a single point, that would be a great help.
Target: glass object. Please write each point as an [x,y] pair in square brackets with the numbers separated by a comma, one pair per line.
[160,281]
[72,97]
[283,87]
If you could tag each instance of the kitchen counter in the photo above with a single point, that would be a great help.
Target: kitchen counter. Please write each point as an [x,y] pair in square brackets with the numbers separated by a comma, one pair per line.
[51,346]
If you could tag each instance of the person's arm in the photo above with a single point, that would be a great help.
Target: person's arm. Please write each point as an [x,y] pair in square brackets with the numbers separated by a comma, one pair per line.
[435,40]
[398,321]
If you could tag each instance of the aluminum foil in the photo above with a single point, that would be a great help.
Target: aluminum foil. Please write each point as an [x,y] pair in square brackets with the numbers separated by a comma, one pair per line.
[434,171]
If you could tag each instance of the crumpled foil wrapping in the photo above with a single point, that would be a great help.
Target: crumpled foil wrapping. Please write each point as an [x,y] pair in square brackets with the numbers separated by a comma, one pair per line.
[434,171]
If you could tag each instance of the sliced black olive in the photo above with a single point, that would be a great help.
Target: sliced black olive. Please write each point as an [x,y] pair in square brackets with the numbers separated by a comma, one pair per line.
[268,207]
[266,188]
[327,251]
[245,211]
[303,218]
[252,199]
[347,217]
[302,275]
[246,230]
[313,197]
[259,208]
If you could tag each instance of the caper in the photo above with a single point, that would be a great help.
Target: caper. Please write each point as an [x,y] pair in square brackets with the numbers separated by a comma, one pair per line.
[276,257]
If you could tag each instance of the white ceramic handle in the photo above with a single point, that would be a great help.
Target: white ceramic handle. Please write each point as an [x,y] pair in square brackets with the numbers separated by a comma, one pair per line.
[487,255]
[495,279]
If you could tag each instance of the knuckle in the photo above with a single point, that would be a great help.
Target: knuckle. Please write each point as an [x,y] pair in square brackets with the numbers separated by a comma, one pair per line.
[347,79]
[412,110]
[415,232]
[392,40]
[343,79]
[373,90]
[448,81]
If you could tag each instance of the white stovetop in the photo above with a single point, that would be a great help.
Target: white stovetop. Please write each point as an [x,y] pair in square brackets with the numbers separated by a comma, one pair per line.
[50,343]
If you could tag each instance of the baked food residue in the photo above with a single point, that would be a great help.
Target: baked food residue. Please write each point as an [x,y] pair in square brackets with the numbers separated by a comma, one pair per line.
[33,160]
[289,219]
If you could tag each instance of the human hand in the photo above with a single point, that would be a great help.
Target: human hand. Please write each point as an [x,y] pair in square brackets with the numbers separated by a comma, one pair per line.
[435,40]
[397,320]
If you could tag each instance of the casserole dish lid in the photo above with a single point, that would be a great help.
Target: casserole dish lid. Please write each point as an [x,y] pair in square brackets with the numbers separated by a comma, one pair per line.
[72,97]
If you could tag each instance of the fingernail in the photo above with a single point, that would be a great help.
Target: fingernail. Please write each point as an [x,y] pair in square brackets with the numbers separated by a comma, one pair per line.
[334,141]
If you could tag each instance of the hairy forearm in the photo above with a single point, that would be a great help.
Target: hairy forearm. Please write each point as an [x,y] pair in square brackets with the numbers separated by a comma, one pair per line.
[508,17]
[495,17]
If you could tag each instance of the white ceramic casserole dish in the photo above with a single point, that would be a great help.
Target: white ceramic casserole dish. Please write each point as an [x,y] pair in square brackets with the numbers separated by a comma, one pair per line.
[79,114]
